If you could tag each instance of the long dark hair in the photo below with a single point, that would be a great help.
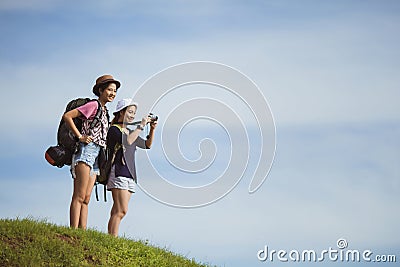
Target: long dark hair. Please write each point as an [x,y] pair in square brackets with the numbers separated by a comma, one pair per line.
[117,117]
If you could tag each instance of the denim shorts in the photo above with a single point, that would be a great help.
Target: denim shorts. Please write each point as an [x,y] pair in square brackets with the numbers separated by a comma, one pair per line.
[87,154]
[120,182]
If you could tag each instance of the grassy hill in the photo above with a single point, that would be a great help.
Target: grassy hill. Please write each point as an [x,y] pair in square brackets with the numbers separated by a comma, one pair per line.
[25,242]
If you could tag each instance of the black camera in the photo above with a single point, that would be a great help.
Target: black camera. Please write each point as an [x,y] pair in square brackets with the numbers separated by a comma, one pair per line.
[153,117]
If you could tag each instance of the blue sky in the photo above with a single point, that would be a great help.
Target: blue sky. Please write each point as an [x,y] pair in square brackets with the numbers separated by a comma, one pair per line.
[330,73]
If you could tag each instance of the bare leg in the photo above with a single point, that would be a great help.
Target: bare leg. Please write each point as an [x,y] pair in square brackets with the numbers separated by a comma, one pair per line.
[119,209]
[81,182]
[85,205]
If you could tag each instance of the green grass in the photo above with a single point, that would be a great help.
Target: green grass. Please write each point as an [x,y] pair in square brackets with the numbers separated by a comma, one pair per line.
[27,242]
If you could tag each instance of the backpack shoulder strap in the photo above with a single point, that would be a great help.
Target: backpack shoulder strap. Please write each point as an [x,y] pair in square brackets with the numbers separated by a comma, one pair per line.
[118,126]
[97,117]
[107,114]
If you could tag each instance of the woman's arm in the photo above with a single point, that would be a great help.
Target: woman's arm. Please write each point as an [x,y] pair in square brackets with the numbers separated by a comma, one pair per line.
[85,111]
[134,135]
[149,140]
[68,118]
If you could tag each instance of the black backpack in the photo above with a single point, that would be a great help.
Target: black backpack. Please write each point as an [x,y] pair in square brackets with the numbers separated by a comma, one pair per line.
[67,143]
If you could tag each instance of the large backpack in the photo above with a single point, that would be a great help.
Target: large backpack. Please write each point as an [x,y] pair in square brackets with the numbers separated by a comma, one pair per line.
[67,143]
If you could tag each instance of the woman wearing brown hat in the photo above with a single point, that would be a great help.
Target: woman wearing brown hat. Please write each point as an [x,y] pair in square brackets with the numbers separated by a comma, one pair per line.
[84,167]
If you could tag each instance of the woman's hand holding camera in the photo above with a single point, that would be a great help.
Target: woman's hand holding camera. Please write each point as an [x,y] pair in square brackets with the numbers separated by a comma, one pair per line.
[150,119]
[153,124]
[144,122]
[153,121]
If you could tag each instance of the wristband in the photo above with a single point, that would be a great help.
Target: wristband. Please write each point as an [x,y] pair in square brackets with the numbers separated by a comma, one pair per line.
[79,137]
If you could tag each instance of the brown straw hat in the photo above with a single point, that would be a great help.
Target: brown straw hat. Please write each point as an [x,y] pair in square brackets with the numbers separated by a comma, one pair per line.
[103,80]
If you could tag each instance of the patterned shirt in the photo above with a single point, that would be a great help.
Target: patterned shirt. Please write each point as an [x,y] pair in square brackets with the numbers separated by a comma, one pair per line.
[99,131]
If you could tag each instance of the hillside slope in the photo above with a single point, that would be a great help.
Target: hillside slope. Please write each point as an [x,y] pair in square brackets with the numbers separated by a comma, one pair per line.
[26,242]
